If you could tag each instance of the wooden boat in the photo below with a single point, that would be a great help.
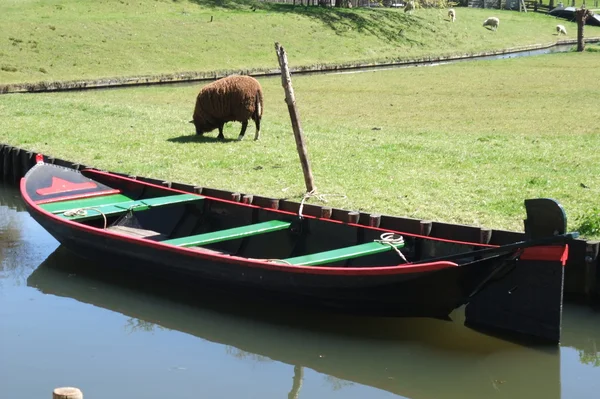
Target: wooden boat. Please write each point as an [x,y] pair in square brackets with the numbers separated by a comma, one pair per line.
[249,250]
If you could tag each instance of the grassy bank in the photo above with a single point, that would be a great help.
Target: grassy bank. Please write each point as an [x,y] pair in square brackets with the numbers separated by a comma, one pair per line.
[462,143]
[86,39]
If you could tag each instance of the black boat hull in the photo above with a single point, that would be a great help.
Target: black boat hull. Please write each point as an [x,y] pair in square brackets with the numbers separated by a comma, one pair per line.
[424,294]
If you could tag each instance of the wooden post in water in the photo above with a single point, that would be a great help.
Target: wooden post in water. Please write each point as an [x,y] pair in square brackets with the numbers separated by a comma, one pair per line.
[581,15]
[286,81]
[67,393]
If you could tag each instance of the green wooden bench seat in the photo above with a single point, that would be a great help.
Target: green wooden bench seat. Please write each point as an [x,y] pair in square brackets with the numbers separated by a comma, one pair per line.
[60,207]
[122,207]
[229,234]
[339,254]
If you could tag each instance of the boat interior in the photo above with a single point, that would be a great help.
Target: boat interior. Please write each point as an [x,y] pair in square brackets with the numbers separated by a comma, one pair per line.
[206,224]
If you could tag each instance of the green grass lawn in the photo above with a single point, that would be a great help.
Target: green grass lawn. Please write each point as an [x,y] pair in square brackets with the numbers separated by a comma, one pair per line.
[462,143]
[56,40]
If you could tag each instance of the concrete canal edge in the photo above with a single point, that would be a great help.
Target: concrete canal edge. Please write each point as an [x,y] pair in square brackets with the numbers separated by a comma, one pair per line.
[581,270]
[188,77]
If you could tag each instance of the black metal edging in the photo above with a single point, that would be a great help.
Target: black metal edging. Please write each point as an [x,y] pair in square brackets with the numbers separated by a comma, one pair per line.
[581,272]
[190,77]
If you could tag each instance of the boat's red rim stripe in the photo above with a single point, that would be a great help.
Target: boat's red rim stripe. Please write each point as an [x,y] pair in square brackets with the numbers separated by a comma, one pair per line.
[295,214]
[321,270]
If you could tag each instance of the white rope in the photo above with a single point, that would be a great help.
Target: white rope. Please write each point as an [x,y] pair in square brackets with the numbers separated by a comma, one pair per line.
[392,240]
[320,197]
[83,212]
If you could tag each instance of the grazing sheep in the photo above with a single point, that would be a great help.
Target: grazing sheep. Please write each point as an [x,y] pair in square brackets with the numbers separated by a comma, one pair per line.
[452,14]
[409,7]
[492,22]
[560,29]
[233,98]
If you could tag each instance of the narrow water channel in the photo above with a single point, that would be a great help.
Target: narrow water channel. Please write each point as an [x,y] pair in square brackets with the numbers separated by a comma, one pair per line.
[115,336]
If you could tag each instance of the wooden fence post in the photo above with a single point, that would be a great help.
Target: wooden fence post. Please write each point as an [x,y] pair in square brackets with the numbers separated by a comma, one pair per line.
[286,81]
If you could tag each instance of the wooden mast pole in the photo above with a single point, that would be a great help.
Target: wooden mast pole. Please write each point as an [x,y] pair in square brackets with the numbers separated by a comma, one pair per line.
[286,81]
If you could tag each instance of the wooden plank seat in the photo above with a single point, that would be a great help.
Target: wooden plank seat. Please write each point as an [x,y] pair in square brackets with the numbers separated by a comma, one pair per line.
[92,212]
[336,255]
[229,234]
[60,207]
[136,232]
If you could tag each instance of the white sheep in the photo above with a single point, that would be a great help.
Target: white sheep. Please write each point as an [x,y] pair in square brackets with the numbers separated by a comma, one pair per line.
[492,22]
[560,29]
[409,7]
[452,14]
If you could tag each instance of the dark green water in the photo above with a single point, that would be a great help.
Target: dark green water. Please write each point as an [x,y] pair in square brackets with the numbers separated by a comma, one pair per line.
[114,337]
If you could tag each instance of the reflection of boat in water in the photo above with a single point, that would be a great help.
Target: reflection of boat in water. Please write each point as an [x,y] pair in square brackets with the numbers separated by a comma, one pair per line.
[415,358]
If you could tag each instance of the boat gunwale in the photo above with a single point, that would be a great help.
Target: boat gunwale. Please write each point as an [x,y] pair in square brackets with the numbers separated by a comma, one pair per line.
[242,204]
[406,268]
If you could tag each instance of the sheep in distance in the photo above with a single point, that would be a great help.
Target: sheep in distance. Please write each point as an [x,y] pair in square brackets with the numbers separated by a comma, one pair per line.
[492,22]
[233,98]
[452,14]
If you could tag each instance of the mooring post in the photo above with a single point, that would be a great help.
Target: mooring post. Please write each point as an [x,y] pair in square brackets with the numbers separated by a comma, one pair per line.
[273,203]
[353,217]
[6,164]
[286,81]
[591,265]
[1,160]
[326,212]
[16,165]
[374,220]
[67,393]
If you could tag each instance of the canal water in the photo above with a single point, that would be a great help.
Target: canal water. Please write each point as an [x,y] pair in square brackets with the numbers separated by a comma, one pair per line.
[115,336]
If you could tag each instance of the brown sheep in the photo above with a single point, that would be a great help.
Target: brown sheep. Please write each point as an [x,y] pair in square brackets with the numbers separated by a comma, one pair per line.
[233,98]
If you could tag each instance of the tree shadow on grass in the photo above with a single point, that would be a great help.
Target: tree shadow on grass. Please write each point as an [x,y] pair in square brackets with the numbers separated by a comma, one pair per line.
[194,138]
[382,23]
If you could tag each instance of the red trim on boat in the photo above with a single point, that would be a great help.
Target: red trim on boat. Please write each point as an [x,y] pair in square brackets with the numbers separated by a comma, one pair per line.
[547,253]
[63,186]
[78,196]
[320,270]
